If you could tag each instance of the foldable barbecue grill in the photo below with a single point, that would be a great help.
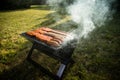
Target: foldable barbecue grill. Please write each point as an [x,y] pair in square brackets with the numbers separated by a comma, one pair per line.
[61,53]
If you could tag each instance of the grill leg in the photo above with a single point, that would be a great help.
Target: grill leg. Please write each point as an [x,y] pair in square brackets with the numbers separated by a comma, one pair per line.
[61,70]
[30,52]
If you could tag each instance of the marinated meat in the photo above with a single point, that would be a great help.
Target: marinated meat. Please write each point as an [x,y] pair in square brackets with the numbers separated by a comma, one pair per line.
[48,36]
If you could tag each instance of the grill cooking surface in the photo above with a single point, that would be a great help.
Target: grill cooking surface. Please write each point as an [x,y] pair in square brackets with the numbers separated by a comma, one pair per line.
[48,36]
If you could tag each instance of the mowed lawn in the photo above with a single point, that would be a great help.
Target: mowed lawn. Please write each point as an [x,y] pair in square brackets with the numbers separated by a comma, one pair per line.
[96,57]
[13,23]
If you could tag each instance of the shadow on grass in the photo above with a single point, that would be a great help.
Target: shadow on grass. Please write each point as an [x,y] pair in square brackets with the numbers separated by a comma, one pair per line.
[22,69]
[54,20]
[66,26]
[51,19]
[12,10]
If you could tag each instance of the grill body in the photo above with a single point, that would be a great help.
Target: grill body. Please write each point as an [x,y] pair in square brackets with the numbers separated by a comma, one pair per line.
[62,53]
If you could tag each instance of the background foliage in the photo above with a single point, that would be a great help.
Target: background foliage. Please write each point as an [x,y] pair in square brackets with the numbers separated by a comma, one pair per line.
[14,4]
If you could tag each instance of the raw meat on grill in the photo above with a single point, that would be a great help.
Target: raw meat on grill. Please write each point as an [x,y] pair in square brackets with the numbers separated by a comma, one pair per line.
[54,31]
[48,36]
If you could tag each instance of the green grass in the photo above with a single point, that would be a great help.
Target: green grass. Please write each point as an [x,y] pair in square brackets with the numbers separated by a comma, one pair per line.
[13,23]
[96,58]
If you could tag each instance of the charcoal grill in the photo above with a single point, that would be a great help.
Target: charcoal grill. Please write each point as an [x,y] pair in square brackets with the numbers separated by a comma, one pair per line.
[62,54]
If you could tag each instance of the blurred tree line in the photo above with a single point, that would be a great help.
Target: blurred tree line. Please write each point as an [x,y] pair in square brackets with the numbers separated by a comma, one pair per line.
[14,4]
[38,2]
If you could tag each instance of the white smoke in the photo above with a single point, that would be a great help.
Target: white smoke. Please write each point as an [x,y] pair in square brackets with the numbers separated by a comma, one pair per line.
[88,14]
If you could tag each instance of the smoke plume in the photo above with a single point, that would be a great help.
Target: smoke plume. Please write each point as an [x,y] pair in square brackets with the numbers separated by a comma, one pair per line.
[88,14]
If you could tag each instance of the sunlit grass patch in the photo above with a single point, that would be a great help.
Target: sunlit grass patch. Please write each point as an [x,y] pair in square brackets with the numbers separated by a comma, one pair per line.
[13,23]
